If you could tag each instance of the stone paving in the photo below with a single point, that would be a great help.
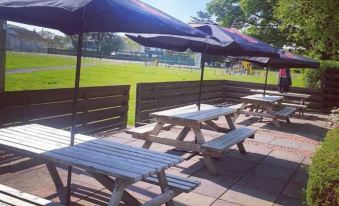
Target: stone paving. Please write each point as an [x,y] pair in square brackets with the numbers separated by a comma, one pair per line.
[272,173]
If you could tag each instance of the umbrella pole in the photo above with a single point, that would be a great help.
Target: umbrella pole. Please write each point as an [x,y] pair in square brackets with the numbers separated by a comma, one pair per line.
[202,66]
[74,111]
[265,86]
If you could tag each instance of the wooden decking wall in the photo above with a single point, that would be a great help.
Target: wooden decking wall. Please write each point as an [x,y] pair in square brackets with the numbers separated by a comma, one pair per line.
[99,108]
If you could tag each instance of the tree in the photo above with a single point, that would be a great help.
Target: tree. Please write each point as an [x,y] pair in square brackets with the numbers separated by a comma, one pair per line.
[111,43]
[254,17]
[312,24]
[202,17]
[98,38]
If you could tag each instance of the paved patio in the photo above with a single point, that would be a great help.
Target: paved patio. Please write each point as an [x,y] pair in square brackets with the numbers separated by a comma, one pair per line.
[273,172]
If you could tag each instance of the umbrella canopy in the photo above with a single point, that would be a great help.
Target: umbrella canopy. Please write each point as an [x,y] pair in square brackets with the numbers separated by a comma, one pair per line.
[221,41]
[238,44]
[285,60]
[76,16]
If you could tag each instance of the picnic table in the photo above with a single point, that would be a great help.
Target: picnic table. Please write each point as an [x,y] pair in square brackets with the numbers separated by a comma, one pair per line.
[114,165]
[300,98]
[267,102]
[189,118]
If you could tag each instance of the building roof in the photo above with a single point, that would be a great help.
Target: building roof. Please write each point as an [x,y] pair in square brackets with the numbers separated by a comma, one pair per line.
[23,33]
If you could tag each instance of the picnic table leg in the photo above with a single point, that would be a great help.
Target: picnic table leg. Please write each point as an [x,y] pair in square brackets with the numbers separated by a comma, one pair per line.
[230,122]
[241,148]
[109,184]
[164,186]
[275,119]
[117,193]
[182,135]
[236,115]
[156,130]
[57,181]
[207,159]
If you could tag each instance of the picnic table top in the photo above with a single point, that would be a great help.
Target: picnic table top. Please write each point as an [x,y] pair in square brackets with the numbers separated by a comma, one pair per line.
[288,94]
[95,155]
[191,113]
[259,98]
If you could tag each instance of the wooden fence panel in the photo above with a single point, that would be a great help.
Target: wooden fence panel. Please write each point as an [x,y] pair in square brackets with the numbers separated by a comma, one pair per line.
[152,97]
[330,88]
[99,108]
[235,90]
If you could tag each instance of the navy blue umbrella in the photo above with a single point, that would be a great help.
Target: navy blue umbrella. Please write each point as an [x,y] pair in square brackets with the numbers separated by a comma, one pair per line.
[221,41]
[80,16]
[77,16]
[285,60]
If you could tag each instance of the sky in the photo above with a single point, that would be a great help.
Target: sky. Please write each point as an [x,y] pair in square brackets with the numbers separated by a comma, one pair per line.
[180,9]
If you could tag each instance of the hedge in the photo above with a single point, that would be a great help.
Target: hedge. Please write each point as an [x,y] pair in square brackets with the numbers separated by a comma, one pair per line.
[323,182]
[312,76]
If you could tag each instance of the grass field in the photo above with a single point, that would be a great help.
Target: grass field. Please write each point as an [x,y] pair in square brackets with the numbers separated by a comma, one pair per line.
[106,73]
[18,60]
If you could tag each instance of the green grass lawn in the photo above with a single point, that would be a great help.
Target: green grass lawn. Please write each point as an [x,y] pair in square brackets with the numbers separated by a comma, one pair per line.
[21,60]
[106,73]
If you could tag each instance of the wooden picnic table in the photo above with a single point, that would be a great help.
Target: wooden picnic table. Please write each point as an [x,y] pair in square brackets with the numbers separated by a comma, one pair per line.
[114,165]
[300,98]
[257,101]
[191,119]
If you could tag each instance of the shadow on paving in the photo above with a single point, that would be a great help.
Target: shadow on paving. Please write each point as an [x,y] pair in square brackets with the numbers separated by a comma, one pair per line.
[296,127]
[259,177]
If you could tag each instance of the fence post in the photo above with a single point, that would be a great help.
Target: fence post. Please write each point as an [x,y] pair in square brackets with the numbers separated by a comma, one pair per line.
[137,100]
[2,55]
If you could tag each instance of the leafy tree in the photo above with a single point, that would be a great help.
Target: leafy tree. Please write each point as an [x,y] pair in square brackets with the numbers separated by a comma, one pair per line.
[111,43]
[98,38]
[254,17]
[202,17]
[312,24]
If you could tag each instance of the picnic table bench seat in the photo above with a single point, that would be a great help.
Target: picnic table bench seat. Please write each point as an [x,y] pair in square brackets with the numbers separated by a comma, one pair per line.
[146,129]
[285,112]
[13,197]
[176,183]
[218,146]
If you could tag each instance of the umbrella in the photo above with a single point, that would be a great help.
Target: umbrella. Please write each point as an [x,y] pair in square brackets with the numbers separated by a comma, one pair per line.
[80,16]
[285,60]
[222,41]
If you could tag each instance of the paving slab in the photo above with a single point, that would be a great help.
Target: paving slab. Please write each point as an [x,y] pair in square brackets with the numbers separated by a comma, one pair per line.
[212,186]
[224,203]
[294,190]
[193,199]
[248,197]
[262,183]
[286,201]
[272,172]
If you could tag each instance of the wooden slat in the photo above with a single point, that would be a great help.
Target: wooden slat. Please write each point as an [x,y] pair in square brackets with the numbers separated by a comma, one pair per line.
[286,111]
[63,134]
[21,199]
[227,140]
[51,152]
[54,107]
[90,145]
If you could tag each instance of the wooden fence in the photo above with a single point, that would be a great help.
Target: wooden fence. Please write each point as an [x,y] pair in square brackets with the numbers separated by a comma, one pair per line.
[330,88]
[152,97]
[99,108]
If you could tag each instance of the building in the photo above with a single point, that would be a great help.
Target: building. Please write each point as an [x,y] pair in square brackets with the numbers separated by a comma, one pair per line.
[23,40]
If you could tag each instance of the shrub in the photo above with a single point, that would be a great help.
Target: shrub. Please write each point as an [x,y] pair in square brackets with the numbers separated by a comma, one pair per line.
[312,76]
[323,182]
